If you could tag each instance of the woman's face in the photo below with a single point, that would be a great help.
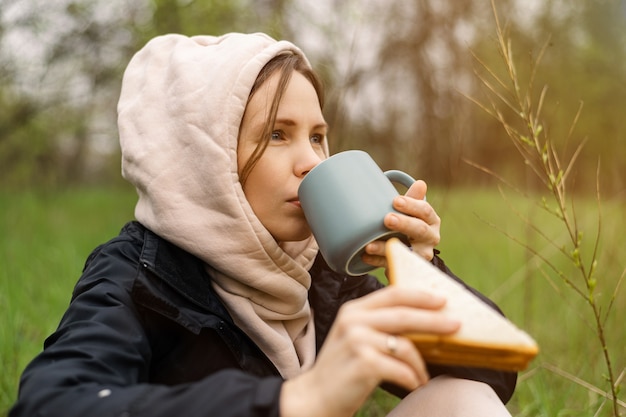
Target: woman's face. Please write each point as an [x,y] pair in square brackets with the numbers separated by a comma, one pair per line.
[295,147]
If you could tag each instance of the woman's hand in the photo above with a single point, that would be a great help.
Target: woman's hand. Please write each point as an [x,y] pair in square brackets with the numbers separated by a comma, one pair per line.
[363,349]
[418,221]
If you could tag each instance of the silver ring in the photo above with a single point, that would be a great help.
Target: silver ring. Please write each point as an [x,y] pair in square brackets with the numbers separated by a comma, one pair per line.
[392,344]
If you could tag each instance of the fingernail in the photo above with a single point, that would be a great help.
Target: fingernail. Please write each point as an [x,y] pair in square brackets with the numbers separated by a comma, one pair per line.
[392,220]
[400,202]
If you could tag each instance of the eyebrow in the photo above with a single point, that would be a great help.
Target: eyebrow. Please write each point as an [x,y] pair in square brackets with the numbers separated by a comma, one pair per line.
[290,122]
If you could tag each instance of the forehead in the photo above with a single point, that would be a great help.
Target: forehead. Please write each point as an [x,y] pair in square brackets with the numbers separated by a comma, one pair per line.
[298,98]
[300,92]
[259,104]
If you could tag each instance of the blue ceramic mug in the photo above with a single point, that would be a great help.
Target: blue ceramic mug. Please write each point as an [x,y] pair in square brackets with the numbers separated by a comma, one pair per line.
[345,199]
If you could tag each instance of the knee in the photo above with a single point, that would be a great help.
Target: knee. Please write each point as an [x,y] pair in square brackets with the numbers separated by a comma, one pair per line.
[447,396]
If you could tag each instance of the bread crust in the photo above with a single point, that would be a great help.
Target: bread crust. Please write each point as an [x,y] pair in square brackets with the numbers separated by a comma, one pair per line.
[450,351]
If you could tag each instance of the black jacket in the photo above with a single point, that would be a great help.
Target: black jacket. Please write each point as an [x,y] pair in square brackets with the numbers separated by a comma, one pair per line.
[146,335]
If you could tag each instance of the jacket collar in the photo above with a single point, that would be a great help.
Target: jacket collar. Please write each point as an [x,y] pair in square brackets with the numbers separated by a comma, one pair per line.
[183,273]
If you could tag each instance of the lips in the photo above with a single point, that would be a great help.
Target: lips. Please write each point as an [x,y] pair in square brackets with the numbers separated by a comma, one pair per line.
[295,201]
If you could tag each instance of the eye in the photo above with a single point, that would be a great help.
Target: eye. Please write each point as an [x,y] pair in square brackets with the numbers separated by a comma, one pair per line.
[317,139]
[277,135]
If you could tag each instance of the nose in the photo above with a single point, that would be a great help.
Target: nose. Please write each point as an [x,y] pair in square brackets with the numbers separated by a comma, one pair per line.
[306,160]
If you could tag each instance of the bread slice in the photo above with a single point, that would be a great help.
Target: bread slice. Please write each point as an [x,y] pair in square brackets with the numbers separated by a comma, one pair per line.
[486,339]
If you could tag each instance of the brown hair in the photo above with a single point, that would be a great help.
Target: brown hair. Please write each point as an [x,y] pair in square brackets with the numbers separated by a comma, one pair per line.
[286,64]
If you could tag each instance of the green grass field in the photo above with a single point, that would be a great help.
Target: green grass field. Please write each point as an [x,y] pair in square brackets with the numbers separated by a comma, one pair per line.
[46,237]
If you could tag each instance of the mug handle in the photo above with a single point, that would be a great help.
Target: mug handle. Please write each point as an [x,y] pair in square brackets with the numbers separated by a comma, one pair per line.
[401,177]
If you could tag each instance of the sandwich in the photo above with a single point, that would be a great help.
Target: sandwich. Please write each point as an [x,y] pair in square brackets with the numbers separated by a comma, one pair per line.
[486,339]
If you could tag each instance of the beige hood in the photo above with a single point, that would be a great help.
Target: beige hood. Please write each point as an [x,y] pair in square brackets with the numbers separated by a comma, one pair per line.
[180,108]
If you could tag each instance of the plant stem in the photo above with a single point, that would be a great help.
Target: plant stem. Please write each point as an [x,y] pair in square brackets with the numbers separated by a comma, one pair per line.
[538,152]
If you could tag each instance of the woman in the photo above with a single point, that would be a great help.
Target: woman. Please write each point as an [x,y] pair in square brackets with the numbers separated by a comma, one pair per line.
[215,302]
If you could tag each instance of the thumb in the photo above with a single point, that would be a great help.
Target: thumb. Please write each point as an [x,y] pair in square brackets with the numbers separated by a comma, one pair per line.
[417,190]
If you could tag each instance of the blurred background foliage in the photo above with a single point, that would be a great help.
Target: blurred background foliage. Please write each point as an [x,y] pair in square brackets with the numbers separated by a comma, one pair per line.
[398,74]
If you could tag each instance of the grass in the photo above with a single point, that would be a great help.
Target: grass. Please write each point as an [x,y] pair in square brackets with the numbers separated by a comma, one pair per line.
[517,105]
[46,237]
[571,355]
[45,240]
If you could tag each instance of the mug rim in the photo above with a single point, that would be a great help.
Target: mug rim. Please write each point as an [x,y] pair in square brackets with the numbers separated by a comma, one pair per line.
[342,153]
[380,236]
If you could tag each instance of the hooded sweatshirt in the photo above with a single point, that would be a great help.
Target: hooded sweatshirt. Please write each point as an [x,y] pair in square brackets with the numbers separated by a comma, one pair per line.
[179,113]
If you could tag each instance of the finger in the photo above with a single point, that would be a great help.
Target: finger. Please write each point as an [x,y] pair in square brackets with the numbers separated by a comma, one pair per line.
[393,296]
[412,226]
[375,254]
[422,238]
[418,229]
[398,311]
[421,316]
[414,208]
[425,250]
[375,260]
[375,257]
[376,248]
[402,348]
[417,190]
[404,366]
[404,320]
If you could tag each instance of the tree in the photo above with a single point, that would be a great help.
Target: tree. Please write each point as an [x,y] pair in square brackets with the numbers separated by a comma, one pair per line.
[63,88]
[583,65]
[396,74]
[58,123]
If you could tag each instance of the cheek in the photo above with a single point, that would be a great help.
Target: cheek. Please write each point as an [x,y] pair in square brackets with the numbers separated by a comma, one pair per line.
[268,167]
[260,181]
